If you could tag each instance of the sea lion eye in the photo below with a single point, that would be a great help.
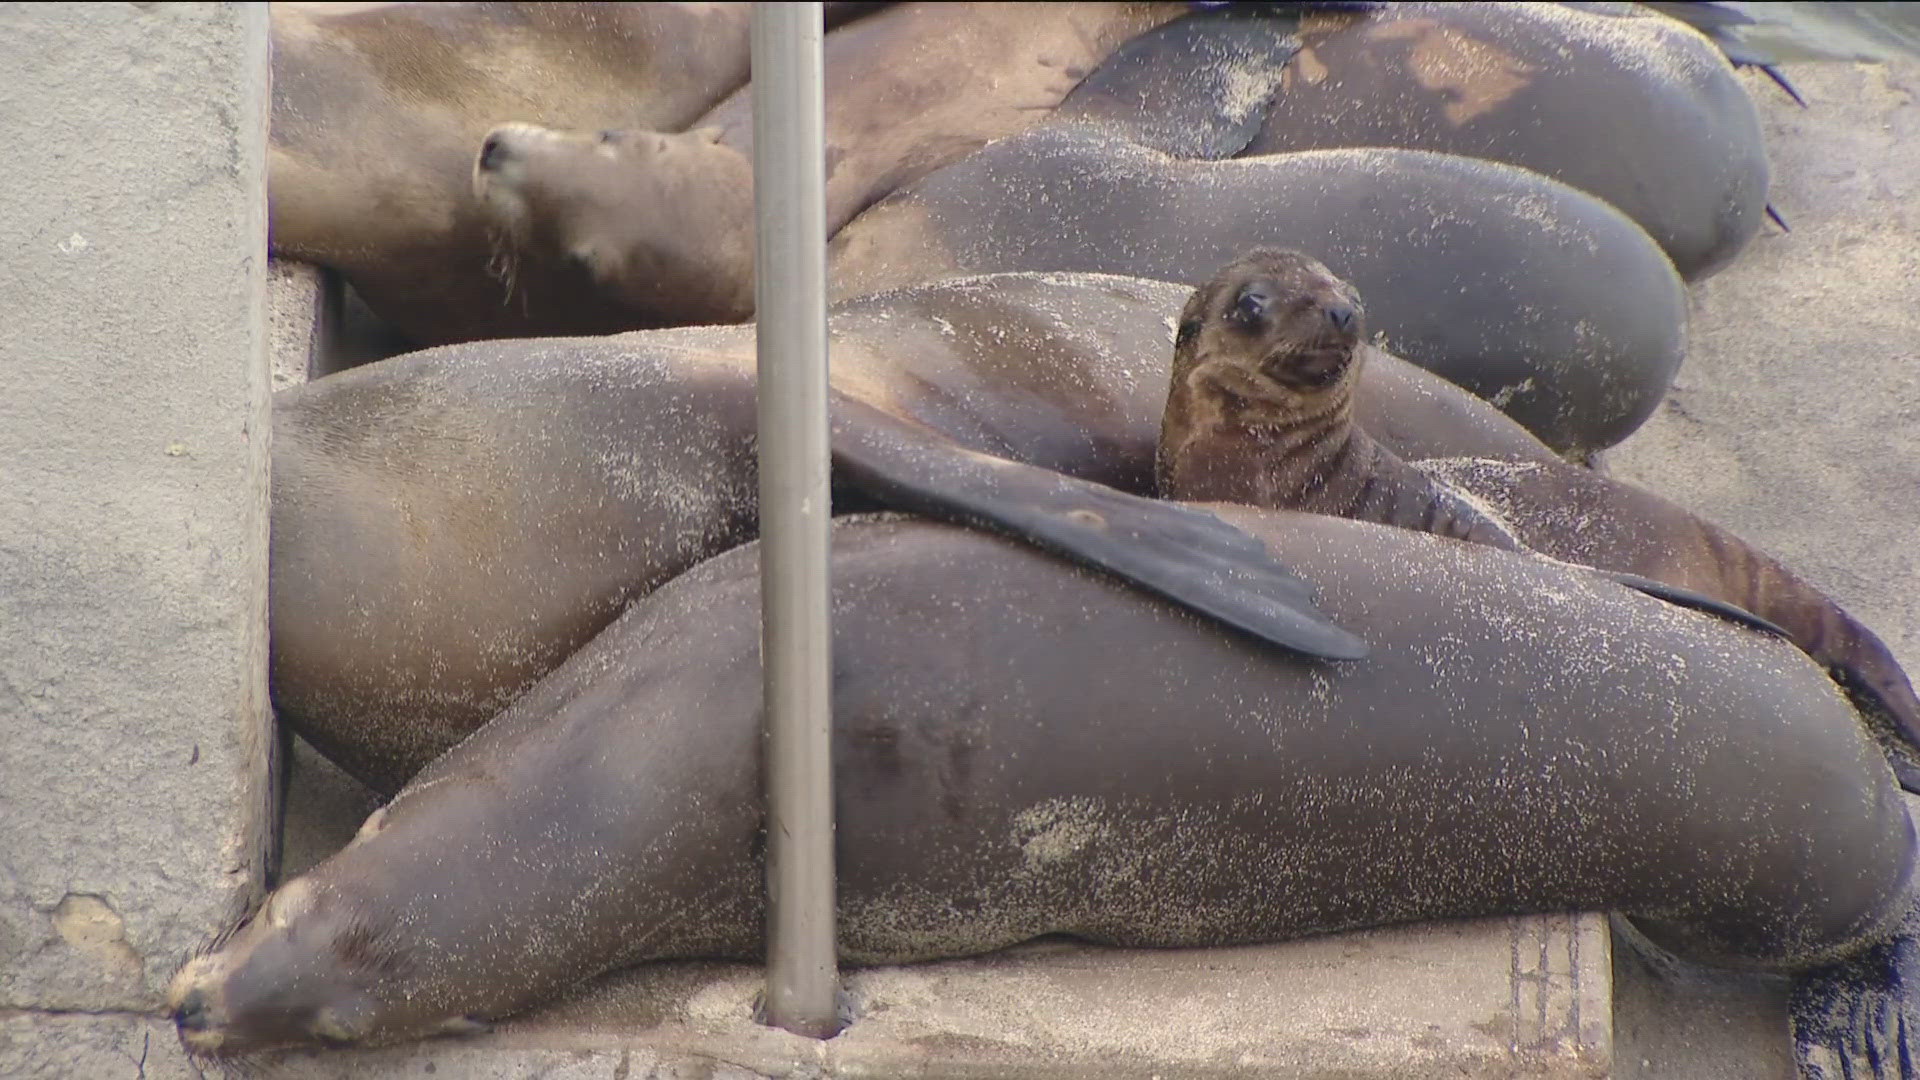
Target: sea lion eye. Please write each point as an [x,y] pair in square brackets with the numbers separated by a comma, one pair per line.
[607,135]
[1253,303]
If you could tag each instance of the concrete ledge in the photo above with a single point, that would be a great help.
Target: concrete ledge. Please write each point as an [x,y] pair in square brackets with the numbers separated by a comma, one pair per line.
[1483,998]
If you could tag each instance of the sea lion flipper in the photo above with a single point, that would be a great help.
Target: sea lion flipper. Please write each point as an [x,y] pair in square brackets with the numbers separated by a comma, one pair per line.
[1196,88]
[1186,555]
[1860,1018]
[1687,598]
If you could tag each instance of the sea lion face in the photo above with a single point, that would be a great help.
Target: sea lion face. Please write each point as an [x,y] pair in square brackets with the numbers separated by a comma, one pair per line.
[1280,320]
[307,968]
[658,223]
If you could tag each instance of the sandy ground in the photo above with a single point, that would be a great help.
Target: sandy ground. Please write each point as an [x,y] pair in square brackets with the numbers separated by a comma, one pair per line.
[1795,422]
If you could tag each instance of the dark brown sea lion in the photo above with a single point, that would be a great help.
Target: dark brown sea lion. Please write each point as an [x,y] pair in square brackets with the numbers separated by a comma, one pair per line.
[1266,369]
[1541,298]
[1093,762]
[377,109]
[450,525]
[1624,103]
[659,226]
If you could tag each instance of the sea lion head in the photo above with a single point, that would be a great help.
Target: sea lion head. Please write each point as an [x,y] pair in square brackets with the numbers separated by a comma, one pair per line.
[312,966]
[659,224]
[1280,323]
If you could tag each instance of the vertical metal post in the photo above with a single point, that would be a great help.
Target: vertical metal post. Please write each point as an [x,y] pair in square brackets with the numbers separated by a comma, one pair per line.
[789,183]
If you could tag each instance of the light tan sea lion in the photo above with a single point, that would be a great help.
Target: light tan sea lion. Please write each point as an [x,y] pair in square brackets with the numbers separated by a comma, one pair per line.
[657,228]
[377,109]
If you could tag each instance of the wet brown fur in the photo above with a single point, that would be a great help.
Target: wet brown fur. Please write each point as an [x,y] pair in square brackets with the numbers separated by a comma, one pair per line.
[1233,432]
[1261,407]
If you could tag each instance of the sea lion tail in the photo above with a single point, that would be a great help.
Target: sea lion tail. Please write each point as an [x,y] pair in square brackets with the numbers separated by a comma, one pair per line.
[1186,555]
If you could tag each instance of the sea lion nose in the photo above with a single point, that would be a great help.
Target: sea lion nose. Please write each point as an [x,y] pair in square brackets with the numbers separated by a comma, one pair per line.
[492,152]
[191,1013]
[1341,316]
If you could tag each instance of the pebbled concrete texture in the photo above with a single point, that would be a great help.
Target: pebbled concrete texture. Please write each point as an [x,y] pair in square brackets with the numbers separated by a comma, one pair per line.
[134,743]
[1795,422]
[77,1046]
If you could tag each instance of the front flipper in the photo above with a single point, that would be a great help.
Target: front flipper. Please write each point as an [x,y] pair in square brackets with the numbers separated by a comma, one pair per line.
[1186,555]
[1859,1019]
[1687,598]
[1197,88]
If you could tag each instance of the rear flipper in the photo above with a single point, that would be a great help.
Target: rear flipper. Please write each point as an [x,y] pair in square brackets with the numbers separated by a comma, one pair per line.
[1859,1019]
[1724,25]
[1186,555]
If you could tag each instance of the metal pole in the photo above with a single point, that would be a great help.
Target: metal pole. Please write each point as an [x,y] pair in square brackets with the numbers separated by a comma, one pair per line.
[790,273]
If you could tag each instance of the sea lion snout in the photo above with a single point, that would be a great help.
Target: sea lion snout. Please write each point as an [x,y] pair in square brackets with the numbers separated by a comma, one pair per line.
[492,151]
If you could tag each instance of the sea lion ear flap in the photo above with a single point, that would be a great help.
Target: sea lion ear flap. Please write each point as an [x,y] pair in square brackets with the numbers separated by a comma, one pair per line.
[1193,316]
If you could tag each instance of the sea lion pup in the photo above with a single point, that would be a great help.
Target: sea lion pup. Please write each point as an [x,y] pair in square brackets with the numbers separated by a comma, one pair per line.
[1622,102]
[1538,297]
[377,108]
[1260,410]
[657,228]
[450,525]
[1091,761]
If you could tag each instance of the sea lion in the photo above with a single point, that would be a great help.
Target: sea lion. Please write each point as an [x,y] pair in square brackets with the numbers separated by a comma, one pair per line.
[1090,761]
[657,228]
[377,108]
[1267,362]
[1541,298]
[450,525]
[1622,102]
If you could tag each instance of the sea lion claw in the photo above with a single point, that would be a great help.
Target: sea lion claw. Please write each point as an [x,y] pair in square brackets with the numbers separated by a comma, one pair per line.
[1186,555]
[1780,79]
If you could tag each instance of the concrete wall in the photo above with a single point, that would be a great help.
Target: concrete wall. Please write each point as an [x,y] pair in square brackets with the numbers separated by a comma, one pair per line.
[133,480]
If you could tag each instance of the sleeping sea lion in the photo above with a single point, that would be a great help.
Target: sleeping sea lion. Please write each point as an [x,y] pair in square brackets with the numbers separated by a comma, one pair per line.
[377,108]
[657,227]
[1623,103]
[1267,361]
[1541,298]
[450,525]
[1091,761]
